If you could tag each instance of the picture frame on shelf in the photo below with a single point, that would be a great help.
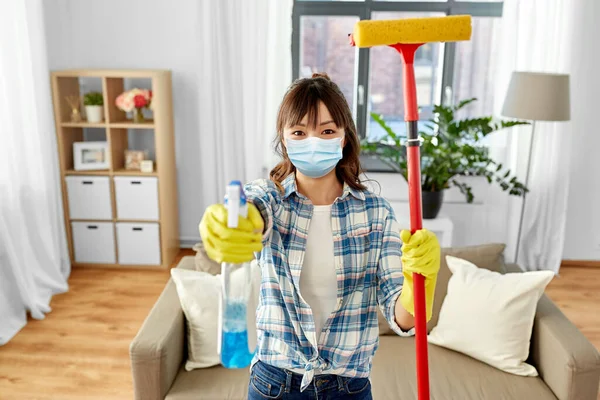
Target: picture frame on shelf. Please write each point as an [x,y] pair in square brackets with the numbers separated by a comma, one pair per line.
[134,158]
[90,156]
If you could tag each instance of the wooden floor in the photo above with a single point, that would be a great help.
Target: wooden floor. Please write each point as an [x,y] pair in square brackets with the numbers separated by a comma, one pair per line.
[80,351]
[577,292]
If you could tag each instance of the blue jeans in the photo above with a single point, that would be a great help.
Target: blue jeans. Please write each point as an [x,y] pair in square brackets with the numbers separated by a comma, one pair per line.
[268,382]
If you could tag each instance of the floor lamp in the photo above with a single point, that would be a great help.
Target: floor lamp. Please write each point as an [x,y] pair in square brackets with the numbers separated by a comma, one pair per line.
[536,96]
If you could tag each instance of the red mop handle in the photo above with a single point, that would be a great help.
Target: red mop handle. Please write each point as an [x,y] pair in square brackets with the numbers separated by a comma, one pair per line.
[416,219]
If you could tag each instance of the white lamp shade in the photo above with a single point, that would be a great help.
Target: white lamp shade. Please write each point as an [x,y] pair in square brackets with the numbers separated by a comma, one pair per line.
[538,96]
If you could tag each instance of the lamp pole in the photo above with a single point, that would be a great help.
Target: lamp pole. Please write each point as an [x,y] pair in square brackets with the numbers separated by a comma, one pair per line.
[525,194]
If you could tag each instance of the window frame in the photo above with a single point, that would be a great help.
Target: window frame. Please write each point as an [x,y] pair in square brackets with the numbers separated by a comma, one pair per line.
[363,10]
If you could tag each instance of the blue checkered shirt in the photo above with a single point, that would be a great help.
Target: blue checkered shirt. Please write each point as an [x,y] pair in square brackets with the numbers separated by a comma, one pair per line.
[367,245]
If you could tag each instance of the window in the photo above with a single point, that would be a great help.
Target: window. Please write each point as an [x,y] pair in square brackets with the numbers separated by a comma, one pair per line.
[371,79]
[331,52]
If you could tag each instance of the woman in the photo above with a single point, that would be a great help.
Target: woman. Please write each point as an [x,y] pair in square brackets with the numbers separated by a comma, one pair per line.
[329,251]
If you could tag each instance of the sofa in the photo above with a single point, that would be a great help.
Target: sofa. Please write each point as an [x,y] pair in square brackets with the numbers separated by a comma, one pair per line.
[568,364]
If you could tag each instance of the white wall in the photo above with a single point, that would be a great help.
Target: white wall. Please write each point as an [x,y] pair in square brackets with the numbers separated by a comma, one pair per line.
[141,34]
[583,215]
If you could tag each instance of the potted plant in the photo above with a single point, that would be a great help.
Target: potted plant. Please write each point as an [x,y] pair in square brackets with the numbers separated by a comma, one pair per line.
[134,101]
[450,148]
[94,103]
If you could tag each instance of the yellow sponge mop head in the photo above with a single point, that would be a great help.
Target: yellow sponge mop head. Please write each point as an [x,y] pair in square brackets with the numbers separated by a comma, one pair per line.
[368,33]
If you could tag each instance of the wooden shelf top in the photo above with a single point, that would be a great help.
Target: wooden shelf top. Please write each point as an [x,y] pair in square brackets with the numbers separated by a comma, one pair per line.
[137,221]
[111,73]
[104,172]
[148,124]
[115,220]
[119,172]
[127,172]
[83,124]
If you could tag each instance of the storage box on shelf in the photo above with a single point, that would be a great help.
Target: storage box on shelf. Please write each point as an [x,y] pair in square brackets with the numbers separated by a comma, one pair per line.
[118,217]
[138,243]
[89,197]
[94,242]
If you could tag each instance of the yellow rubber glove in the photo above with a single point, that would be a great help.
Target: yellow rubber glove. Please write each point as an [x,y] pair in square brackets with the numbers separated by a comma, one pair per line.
[232,245]
[420,254]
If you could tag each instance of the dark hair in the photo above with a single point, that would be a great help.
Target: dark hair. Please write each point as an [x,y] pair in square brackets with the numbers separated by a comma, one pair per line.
[302,98]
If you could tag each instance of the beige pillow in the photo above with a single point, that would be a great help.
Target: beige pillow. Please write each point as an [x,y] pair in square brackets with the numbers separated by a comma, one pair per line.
[489,316]
[199,294]
[488,256]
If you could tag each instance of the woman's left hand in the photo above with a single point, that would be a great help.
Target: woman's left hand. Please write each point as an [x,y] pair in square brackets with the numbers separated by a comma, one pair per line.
[421,255]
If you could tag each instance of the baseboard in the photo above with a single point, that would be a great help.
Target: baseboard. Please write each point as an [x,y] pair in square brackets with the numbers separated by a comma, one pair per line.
[188,242]
[580,263]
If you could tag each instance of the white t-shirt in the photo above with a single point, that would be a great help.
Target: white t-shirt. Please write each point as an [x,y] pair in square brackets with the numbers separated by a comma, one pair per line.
[318,279]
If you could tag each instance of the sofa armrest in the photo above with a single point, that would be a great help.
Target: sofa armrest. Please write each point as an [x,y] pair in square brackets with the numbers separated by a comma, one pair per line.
[157,351]
[567,362]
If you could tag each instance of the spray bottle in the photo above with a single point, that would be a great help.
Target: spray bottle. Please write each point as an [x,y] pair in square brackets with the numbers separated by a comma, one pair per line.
[235,348]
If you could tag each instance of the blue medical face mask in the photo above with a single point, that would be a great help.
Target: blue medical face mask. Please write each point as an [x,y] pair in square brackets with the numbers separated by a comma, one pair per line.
[314,157]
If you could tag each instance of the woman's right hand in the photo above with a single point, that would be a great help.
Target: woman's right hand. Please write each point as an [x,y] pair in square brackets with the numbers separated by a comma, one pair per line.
[231,245]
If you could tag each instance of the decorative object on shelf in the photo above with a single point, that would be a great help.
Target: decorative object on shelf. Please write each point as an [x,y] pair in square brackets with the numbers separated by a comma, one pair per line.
[536,96]
[94,106]
[73,102]
[135,100]
[134,158]
[147,166]
[449,148]
[90,156]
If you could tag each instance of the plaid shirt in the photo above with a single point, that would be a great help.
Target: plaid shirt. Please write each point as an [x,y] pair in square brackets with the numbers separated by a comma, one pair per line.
[367,246]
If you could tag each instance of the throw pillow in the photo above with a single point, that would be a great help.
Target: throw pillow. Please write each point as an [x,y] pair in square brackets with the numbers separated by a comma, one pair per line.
[489,316]
[199,294]
[489,256]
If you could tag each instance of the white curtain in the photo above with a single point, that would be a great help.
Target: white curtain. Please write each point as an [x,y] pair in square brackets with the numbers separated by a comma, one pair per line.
[34,261]
[246,67]
[538,35]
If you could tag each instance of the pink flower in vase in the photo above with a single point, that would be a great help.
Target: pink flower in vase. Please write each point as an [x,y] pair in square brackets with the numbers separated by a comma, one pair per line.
[124,102]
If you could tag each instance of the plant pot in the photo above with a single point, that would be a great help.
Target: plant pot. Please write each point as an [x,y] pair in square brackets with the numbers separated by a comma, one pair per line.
[94,113]
[432,203]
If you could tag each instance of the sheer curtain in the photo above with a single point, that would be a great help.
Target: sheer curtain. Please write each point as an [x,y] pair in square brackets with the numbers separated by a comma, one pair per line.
[538,35]
[246,67]
[34,260]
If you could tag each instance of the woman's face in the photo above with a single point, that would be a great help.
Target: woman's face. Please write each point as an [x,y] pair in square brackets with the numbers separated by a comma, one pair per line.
[325,129]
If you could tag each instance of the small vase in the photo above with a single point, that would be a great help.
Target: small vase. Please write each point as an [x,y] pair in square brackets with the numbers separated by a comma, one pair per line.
[138,116]
[75,115]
